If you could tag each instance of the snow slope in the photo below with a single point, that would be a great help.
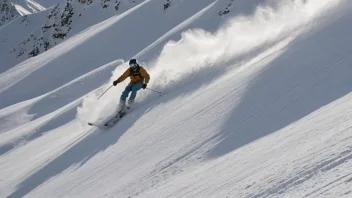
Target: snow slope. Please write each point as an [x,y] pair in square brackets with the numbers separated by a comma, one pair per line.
[259,107]
[16,32]
[46,3]
[27,6]
[40,32]
[8,12]
[62,21]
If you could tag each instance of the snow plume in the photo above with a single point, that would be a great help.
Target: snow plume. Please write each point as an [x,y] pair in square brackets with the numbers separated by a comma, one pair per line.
[238,40]
[98,110]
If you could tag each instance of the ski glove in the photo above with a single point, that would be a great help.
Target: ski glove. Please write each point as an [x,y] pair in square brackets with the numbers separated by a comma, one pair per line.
[144,86]
[115,82]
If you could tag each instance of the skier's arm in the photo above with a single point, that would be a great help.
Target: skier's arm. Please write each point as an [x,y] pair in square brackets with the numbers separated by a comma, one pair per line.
[145,75]
[124,76]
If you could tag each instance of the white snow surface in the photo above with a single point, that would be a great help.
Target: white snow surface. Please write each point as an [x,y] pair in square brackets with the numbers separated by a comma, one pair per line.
[46,3]
[26,7]
[16,32]
[255,103]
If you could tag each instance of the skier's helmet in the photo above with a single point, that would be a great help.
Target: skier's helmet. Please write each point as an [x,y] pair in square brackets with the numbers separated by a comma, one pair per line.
[133,63]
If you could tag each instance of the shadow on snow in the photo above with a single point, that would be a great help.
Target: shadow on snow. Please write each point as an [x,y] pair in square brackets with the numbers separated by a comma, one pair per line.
[314,71]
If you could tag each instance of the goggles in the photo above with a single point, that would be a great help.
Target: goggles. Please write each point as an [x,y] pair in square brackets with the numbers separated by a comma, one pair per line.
[133,64]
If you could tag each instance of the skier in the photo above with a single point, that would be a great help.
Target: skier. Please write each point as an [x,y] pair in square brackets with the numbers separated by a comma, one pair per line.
[139,79]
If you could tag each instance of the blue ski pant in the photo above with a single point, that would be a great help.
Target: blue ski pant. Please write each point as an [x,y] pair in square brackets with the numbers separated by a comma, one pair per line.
[131,88]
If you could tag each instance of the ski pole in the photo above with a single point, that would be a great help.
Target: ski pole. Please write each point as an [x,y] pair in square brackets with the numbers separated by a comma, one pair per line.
[105,91]
[154,90]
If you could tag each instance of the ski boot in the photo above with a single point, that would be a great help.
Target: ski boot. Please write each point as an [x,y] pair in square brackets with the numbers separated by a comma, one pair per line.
[130,103]
[121,107]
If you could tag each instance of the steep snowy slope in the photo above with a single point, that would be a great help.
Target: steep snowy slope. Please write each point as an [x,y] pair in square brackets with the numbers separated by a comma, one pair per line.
[60,22]
[47,3]
[8,12]
[259,108]
[16,33]
[11,9]
[27,6]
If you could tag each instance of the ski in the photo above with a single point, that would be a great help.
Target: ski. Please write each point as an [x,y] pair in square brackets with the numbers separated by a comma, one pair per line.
[112,121]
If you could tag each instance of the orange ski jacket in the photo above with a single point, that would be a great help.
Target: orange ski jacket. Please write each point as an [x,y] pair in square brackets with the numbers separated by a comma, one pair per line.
[139,75]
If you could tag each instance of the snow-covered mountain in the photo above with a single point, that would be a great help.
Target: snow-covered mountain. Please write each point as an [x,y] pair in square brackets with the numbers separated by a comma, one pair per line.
[10,9]
[27,6]
[63,20]
[8,12]
[43,3]
[256,99]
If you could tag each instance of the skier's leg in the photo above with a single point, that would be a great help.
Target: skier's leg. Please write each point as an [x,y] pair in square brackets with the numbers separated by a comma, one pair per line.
[135,88]
[124,96]
[125,93]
